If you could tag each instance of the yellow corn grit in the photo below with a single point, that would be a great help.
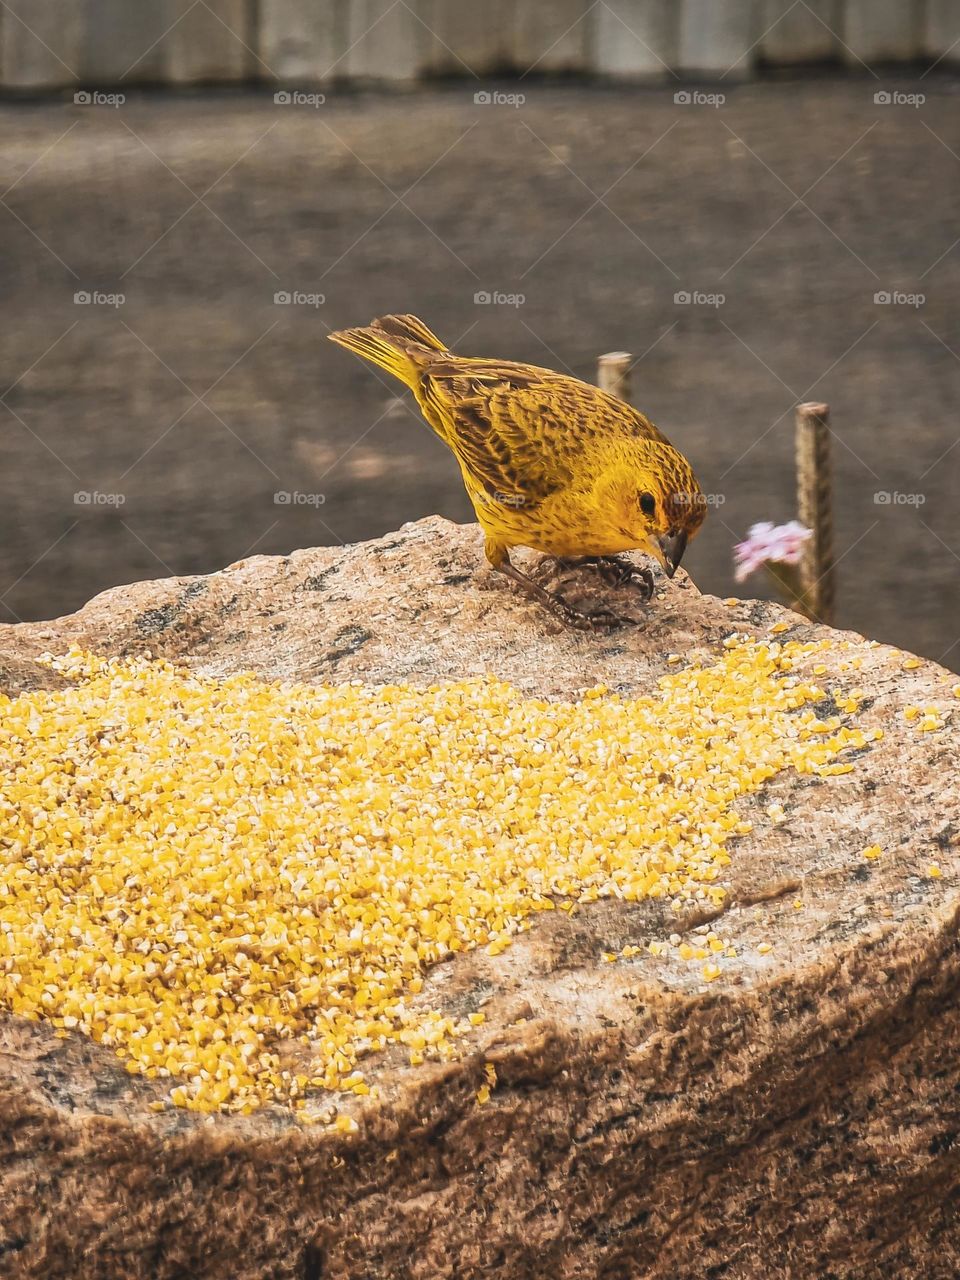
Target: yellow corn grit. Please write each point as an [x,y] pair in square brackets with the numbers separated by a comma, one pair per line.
[205,874]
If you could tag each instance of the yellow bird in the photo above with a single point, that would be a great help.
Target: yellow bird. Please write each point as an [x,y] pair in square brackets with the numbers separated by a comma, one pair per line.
[548,462]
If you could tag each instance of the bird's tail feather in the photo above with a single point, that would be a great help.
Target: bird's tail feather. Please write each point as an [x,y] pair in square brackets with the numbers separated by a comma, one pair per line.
[395,343]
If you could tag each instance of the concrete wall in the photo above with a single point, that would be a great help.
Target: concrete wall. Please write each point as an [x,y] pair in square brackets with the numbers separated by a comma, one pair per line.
[104,44]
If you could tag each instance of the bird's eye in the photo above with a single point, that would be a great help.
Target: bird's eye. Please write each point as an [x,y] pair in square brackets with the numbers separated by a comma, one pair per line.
[648,504]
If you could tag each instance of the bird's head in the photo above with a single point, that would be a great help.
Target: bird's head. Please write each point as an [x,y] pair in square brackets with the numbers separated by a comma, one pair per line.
[659,505]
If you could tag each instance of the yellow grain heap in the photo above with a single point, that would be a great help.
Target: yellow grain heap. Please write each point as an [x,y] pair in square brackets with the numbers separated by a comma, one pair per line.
[205,874]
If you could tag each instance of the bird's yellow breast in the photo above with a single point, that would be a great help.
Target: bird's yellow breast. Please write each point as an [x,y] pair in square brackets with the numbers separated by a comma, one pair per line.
[570,522]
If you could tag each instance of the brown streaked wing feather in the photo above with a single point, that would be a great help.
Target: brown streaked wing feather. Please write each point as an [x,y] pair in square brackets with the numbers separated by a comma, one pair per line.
[512,463]
[503,434]
[577,402]
[518,429]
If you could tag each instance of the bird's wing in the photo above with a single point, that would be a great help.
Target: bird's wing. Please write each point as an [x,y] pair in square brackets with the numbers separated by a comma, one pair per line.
[520,430]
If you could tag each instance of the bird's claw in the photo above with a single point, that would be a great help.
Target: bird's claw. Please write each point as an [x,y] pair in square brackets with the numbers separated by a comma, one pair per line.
[613,571]
[621,573]
[595,620]
[644,580]
[549,566]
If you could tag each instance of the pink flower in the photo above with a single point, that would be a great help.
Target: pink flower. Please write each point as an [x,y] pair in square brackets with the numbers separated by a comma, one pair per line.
[765,541]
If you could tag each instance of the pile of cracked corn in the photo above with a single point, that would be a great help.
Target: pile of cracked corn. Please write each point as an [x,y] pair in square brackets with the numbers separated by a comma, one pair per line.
[208,874]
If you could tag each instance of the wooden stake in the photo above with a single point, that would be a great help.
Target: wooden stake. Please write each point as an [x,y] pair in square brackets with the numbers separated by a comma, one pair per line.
[613,374]
[815,510]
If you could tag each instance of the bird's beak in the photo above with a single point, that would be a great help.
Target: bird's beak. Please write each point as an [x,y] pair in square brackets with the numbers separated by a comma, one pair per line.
[672,546]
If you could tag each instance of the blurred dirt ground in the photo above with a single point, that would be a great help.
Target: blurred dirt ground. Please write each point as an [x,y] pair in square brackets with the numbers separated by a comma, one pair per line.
[199,398]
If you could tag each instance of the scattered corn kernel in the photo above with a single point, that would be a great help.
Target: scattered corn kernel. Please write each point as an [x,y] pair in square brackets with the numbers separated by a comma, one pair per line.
[499,945]
[483,1095]
[764,948]
[241,885]
[911,664]
[872,851]
[711,971]
[779,627]
[934,870]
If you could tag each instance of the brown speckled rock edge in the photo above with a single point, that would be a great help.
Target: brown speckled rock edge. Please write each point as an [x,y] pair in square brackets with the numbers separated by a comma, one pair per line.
[798,1117]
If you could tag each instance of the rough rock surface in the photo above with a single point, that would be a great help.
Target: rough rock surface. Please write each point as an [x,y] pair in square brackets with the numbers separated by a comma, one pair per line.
[798,1117]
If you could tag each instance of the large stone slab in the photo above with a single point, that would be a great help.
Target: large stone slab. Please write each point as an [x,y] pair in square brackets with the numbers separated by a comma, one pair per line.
[301,42]
[942,32]
[385,41]
[795,32]
[636,39]
[718,37]
[124,42]
[41,47]
[105,44]
[554,37]
[797,1116]
[878,31]
[463,38]
[213,43]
